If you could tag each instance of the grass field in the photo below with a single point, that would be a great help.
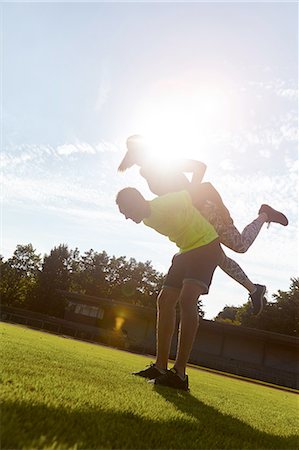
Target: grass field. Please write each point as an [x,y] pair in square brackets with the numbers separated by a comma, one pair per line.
[62,394]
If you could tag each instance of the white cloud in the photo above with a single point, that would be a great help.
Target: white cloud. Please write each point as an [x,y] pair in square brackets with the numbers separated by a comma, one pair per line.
[51,191]
[68,149]
[278,87]
[104,146]
[288,93]
[7,160]
[87,214]
[16,155]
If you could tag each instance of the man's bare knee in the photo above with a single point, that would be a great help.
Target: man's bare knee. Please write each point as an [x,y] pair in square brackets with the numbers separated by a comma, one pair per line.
[190,294]
[167,298]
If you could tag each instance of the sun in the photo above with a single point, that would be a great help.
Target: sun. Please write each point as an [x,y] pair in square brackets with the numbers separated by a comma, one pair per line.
[184,123]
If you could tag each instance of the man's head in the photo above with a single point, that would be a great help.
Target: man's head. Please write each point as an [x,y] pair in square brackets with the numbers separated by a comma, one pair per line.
[132,204]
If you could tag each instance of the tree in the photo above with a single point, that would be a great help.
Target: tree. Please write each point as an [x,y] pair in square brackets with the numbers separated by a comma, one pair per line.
[228,315]
[28,282]
[55,276]
[90,276]
[19,276]
[280,316]
[136,282]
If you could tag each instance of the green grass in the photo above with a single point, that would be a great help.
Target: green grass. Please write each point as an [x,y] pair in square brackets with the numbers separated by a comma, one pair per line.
[62,394]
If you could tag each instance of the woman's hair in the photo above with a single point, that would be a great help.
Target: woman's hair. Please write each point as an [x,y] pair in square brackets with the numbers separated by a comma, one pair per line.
[135,145]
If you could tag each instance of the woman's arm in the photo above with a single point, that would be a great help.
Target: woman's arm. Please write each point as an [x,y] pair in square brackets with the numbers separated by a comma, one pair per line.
[190,165]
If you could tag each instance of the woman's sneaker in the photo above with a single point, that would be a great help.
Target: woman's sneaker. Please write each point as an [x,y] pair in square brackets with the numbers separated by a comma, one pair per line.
[258,299]
[151,372]
[273,215]
[172,379]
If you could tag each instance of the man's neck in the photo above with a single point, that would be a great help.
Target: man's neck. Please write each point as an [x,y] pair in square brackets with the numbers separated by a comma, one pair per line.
[147,210]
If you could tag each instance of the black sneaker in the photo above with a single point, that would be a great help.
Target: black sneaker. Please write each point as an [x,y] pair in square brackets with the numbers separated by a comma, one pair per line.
[258,299]
[273,215]
[151,372]
[173,380]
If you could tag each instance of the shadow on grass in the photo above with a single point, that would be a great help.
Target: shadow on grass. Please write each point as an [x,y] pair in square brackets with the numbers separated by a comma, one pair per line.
[227,431]
[40,426]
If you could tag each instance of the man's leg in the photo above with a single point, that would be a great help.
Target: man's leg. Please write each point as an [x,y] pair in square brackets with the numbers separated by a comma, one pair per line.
[188,323]
[166,318]
[199,265]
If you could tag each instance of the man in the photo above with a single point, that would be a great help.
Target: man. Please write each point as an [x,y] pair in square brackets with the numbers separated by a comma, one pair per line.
[189,276]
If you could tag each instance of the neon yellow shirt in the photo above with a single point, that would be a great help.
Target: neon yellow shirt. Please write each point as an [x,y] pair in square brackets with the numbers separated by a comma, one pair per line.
[174,216]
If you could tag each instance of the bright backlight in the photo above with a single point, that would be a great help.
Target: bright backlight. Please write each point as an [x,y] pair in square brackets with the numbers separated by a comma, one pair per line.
[184,124]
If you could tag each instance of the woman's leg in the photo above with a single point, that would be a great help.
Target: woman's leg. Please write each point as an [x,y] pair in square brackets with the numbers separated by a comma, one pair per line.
[210,204]
[240,242]
[229,235]
[231,268]
[256,291]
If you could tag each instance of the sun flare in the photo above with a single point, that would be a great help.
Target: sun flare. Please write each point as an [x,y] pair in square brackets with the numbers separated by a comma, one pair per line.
[180,123]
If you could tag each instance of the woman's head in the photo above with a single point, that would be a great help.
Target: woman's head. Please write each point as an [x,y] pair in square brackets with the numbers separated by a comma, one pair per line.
[135,154]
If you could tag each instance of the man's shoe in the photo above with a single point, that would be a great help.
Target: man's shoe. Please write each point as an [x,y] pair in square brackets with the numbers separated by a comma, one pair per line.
[258,299]
[173,380]
[273,215]
[151,372]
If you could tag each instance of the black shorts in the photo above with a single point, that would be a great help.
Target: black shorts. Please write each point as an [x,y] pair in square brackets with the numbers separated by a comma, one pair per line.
[197,265]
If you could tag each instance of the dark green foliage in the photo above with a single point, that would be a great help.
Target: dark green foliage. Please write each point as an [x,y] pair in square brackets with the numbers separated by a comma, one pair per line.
[29,283]
[89,278]
[228,315]
[19,275]
[136,282]
[280,315]
[54,276]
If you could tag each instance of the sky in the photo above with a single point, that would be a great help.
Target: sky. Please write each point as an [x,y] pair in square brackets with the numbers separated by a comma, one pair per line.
[215,82]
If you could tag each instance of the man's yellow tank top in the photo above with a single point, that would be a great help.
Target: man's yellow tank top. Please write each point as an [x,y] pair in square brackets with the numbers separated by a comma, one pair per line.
[174,216]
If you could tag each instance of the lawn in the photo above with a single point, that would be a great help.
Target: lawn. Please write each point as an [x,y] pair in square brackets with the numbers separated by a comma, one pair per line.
[59,393]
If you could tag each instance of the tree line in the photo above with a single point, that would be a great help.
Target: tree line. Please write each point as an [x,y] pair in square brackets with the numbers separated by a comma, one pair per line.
[31,282]
[35,283]
[281,315]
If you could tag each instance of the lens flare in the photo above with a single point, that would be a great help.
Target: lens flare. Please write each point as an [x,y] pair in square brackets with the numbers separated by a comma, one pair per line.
[119,321]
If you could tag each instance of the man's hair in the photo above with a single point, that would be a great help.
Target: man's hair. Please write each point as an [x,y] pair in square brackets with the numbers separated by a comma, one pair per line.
[128,194]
